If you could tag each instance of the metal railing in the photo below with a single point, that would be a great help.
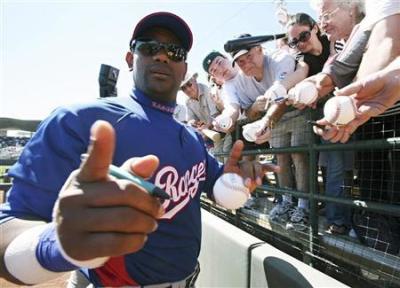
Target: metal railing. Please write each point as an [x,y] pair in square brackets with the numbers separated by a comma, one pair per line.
[315,245]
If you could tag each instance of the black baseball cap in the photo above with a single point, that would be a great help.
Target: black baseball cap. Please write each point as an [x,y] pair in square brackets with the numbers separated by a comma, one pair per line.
[168,20]
[210,58]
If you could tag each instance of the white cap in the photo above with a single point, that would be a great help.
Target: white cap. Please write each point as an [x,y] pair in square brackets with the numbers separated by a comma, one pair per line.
[188,76]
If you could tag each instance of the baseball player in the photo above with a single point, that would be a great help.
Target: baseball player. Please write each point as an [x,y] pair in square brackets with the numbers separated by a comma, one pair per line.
[65,214]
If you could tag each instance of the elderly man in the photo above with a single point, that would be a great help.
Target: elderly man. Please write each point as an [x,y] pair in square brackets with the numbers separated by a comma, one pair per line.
[288,128]
[114,229]
[375,91]
[201,111]
[201,108]
[376,35]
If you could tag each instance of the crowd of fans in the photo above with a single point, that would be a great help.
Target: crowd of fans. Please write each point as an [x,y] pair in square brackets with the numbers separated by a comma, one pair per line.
[11,147]
[331,51]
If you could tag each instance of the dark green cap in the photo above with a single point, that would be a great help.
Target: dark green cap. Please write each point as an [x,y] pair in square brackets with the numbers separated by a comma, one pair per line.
[209,58]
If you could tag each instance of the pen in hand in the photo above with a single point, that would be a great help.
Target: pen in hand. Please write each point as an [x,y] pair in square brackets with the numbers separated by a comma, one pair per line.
[153,190]
[120,173]
[316,124]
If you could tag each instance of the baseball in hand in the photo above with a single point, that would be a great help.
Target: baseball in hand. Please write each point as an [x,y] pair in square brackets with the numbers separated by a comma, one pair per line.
[304,93]
[340,110]
[249,130]
[230,192]
[277,93]
[225,122]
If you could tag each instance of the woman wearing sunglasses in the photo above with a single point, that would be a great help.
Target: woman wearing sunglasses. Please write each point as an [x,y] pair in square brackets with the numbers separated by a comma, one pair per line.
[314,50]
[312,46]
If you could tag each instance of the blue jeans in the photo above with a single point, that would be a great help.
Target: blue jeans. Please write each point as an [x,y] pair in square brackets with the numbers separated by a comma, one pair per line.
[335,186]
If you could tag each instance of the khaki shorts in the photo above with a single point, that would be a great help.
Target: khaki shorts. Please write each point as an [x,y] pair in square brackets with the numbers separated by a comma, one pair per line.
[291,130]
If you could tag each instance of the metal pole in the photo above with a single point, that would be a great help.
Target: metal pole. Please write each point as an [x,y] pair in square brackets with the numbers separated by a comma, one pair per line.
[390,209]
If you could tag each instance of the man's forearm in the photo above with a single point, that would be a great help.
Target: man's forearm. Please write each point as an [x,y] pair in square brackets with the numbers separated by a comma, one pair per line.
[274,113]
[383,46]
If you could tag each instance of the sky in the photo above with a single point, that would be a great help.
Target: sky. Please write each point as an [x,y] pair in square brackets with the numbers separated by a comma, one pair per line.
[51,51]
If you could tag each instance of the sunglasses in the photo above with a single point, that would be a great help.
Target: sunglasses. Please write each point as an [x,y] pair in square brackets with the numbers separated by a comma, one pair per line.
[174,52]
[303,37]
[187,85]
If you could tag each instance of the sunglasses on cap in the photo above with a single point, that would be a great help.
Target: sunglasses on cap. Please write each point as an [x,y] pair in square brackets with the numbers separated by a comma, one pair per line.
[187,85]
[174,52]
[303,37]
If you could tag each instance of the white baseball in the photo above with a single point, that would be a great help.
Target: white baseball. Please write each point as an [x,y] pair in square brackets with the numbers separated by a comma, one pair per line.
[340,110]
[230,192]
[225,122]
[277,93]
[249,130]
[305,93]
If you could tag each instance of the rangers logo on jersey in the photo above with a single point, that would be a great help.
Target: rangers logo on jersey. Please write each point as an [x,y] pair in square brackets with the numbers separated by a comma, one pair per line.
[180,188]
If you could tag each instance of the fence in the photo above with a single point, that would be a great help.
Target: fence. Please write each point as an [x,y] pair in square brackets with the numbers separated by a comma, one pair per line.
[368,256]
[370,259]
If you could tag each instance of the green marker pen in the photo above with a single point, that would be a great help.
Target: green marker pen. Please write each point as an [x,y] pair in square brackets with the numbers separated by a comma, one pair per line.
[120,173]
[153,190]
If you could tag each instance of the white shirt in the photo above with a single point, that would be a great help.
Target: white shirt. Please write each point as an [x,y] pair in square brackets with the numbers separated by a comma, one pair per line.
[376,10]
[243,90]
[204,108]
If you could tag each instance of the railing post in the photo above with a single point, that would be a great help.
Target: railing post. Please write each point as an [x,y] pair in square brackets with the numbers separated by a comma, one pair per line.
[313,174]
[313,232]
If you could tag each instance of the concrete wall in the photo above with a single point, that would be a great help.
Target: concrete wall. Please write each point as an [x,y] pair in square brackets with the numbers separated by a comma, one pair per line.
[224,261]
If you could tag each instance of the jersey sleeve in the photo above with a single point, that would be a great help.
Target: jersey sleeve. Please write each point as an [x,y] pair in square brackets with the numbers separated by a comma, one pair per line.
[44,165]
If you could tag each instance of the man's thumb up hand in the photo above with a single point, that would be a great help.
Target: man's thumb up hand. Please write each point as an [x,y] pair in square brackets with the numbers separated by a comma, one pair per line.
[100,153]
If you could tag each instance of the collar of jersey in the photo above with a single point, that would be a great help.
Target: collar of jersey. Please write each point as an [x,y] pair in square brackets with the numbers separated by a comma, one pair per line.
[142,98]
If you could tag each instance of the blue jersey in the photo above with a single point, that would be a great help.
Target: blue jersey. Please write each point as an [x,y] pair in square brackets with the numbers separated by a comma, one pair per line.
[142,127]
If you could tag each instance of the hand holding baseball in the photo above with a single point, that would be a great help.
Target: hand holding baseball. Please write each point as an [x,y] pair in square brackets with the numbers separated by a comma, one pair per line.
[257,131]
[323,83]
[240,178]
[251,130]
[339,111]
[252,172]
[304,93]
[98,215]
[223,123]
[277,93]
[372,96]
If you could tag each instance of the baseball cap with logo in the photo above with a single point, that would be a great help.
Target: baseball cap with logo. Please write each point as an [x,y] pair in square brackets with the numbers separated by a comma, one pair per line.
[242,50]
[169,21]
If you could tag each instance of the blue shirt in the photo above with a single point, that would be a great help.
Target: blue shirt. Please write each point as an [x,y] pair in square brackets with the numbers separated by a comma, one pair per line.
[142,127]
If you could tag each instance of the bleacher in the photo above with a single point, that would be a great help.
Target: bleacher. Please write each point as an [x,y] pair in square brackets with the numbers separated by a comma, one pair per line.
[11,147]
